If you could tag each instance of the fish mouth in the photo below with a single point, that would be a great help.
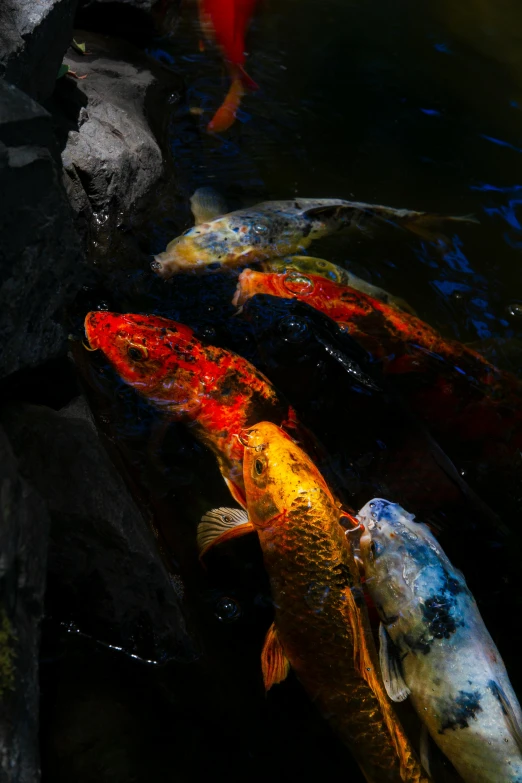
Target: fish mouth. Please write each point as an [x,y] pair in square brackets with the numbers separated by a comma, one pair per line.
[165,266]
[243,289]
[89,326]
[246,436]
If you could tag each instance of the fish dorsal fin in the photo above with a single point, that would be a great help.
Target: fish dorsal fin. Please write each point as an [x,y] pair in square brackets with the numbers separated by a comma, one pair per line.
[395,686]
[274,663]
[220,525]
[509,713]
[206,205]
[424,749]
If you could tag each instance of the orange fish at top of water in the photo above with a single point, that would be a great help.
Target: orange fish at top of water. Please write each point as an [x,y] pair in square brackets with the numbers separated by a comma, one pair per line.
[226,21]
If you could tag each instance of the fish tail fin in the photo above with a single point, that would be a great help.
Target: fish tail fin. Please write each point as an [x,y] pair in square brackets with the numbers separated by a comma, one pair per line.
[225,116]
[425,225]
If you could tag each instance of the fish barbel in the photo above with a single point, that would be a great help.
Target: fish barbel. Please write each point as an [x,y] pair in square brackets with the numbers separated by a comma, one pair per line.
[321,627]
[280,228]
[436,649]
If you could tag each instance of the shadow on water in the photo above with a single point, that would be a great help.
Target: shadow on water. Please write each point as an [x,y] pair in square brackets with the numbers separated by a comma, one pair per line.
[399,104]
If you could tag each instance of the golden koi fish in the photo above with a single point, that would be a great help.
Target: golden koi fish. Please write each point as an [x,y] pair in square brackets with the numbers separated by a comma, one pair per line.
[321,627]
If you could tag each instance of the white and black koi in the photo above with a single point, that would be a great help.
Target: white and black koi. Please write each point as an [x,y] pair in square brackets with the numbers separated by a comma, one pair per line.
[435,648]
[279,228]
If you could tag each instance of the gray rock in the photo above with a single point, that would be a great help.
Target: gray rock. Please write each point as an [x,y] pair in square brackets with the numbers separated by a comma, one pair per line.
[41,260]
[24,527]
[105,575]
[112,158]
[33,39]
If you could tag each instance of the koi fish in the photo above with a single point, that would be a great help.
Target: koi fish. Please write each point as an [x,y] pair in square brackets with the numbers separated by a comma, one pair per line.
[279,228]
[470,407]
[324,268]
[226,21]
[435,648]
[216,391]
[321,628]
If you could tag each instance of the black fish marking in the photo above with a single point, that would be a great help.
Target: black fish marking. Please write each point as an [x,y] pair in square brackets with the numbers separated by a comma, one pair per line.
[437,614]
[456,715]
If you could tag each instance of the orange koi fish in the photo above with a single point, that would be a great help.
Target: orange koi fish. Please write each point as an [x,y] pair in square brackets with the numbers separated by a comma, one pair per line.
[226,22]
[471,407]
[321,627]
[215,390]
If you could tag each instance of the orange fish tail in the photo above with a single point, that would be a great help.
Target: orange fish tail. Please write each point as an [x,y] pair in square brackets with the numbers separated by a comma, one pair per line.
[225,116]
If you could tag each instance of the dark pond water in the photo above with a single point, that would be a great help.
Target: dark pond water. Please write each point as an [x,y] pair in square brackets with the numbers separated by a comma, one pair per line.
[404,104]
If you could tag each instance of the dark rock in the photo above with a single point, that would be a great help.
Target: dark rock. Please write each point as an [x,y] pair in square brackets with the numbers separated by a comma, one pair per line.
[141,5]
[112,158]
[24,527]
[41,261]
[105,575]
[33,39]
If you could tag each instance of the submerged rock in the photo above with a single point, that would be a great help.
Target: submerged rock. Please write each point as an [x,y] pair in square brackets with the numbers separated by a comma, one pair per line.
[33,39]
[105,576]
[41,261]
[112,158]
[24,526]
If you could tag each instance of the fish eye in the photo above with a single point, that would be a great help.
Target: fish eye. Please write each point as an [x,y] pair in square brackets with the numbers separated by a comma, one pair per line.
[260,229]
[136,352]
[259,466]
[293,329]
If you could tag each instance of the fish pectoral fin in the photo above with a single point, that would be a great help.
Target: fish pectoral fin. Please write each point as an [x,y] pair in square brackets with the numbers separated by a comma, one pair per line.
[206,205]
[424,749]
[274,663]
[220,525]
[509,713]
[236,493]
[394,683]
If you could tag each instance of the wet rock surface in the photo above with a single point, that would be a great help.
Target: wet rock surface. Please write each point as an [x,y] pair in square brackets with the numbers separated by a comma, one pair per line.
[111,156]
[24,526]
[33,38]
[41,261]
[105,576]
